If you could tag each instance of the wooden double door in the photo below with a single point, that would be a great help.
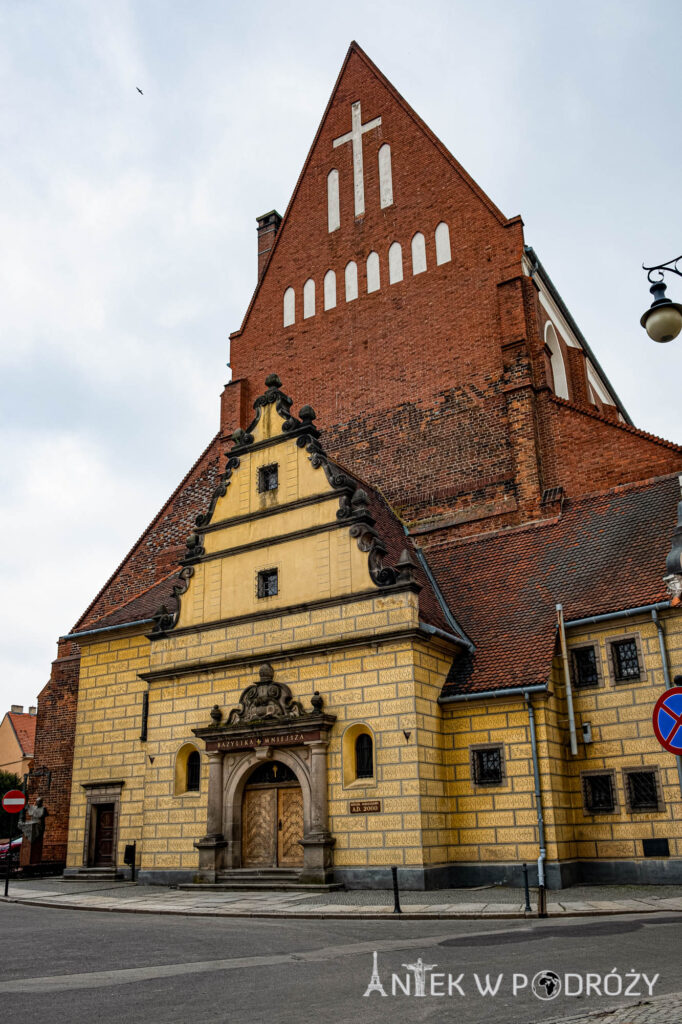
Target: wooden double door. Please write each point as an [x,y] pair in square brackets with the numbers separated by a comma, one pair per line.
[272,824]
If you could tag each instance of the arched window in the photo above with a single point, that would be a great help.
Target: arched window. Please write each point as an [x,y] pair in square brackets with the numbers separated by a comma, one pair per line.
[333,213]
[385,177]
[289,307]
[418,254]
[193,772]
[308,298]
[557,361]
[373,278]
[395,263]
[187,770]
[351,281]
[443,254]
[364,759]
[329,289]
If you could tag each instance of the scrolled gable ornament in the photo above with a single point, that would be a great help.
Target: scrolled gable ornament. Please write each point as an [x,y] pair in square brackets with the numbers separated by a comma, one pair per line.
[265,700]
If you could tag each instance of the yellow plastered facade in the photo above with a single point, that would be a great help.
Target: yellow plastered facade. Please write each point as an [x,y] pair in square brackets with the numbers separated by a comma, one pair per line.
[331,629]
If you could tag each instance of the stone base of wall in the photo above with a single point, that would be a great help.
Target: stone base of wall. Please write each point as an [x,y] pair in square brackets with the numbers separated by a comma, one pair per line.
[466,876]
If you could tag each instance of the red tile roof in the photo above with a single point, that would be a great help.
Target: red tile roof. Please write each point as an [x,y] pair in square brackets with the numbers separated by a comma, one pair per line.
[25,729]
[606,552]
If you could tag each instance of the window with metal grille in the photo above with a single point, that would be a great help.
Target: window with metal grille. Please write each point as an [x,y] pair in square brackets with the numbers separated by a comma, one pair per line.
[364,761]
[585,671]
[267,583]
[487,766]
[642,791]
[625,660]
[598,793]
[193,771]
[268,478]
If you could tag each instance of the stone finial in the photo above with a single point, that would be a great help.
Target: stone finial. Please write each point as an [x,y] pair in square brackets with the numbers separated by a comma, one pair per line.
[407,567]
[273,381]
[317,701]
[216,714]
[266,673]
[307,414]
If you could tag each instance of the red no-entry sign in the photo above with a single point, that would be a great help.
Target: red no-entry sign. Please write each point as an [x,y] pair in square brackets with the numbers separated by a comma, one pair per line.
[13,801]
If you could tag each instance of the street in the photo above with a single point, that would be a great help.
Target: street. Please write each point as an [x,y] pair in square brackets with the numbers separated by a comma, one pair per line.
[79,966]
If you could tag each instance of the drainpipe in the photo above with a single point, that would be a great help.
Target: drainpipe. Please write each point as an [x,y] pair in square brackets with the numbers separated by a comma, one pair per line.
[666,673]
[567,681]
[542,912]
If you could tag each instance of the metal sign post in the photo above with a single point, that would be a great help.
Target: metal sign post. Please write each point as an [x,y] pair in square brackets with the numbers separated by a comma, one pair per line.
[13,802]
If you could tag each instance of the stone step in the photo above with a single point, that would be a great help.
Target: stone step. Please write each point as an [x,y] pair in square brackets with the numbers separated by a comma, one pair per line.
[92,875]
[261,885]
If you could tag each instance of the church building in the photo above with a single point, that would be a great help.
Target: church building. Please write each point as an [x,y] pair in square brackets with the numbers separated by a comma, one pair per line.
[411,606]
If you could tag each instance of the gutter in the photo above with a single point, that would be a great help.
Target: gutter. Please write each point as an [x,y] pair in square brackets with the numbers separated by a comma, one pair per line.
[542,911]
[666,674]
[513,691]
[435,631]
[624,614]
[454,625]
[106,629]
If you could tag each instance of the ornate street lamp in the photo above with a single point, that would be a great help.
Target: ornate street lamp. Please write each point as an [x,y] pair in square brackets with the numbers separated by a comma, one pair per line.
[663,319]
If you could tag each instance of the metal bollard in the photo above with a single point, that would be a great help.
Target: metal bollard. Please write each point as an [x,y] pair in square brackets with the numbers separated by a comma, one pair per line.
[396,894]
[527,907]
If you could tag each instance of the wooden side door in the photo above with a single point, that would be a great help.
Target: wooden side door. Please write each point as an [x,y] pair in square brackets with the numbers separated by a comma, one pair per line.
[259,823]
[104,836]
[289,827]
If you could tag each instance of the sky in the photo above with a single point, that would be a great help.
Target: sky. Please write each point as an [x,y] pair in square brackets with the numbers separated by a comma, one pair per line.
[127,227]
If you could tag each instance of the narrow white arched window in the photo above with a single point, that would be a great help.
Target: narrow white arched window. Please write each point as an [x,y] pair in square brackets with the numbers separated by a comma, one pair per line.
[333,213]
[329,289]
[351,281]
[443,243]
[395,263]
[308,298]
[289,307]
[418,254]
[385,177]
[557,359]
[373,278]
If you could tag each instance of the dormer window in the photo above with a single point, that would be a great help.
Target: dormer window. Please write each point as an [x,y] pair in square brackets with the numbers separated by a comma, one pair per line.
[268,478]
[267,583]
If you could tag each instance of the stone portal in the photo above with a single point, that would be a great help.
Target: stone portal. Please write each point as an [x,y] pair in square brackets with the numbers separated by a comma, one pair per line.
[267,786]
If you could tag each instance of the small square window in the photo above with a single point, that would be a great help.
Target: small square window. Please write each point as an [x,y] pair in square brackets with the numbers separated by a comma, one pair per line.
[642,791]
[585,671]
[268,478]
[487,766]
[598,793]
[625,660]
[267,583]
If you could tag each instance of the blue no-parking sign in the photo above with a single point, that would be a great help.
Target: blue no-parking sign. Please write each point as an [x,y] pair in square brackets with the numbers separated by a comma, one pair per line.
[668,720]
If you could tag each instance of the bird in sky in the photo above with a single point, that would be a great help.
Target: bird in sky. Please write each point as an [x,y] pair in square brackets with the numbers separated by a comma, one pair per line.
[139,90]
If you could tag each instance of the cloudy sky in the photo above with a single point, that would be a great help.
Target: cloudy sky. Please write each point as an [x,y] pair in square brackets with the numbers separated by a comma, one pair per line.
[127,226]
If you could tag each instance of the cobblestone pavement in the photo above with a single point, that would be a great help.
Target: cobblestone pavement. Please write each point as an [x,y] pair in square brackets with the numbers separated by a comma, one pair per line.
[658,1010]
[443,903]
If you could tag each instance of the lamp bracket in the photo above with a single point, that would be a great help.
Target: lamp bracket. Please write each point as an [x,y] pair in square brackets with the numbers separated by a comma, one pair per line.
[670,267]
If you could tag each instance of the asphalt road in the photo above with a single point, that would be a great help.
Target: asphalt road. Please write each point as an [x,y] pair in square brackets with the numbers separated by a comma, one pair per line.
[78,966]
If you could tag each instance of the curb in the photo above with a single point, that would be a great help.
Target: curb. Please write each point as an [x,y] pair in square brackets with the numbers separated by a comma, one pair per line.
[334,916]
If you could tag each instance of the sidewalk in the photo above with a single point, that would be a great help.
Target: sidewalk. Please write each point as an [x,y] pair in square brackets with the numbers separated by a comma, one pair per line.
[488,902]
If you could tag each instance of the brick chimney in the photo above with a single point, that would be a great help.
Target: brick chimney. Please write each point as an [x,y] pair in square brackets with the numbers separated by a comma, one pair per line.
[33,711]
[17,709]
[268,226]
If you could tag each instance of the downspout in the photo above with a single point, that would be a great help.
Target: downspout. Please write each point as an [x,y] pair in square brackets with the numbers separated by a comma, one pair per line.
[567,681]
[666,674]
[538,796]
